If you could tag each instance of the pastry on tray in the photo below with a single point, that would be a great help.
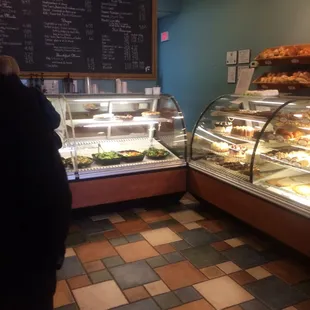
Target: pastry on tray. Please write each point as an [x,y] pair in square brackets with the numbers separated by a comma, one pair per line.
[243,131]
[223,127]
[150,114]
[220,147]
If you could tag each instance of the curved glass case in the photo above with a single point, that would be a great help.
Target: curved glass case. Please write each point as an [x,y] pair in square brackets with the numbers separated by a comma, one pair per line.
[118,134]
[261,145]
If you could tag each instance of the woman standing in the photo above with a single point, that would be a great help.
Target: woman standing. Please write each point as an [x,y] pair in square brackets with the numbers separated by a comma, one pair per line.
[35,195]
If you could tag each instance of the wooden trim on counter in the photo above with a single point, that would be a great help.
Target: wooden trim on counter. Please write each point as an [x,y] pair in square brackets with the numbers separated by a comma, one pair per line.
[282,224]
[128,187]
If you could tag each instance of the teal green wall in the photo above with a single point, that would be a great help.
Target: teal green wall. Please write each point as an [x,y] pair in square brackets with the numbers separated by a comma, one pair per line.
[192,64]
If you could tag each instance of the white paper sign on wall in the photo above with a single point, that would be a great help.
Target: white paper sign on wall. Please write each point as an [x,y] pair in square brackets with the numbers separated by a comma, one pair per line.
[231,58]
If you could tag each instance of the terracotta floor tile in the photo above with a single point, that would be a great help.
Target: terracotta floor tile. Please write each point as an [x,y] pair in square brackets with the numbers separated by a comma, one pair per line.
[221,246]
[78,282]
[132,227]
[242,277]
[164,249]
[160,236]
[95,251]
[112,234]
[288,271]
[196,305]
[156,288]
[212,272]
[69,252]
[229,267]
[177,228]
[180,275]
[133,252]
[258,273]
[63,295]
[136,294]
[101,296]
[235,308]
[303,305]
[213,226]
[212,291]
[94,266]
[187,216]
[235,242]
[154,216]
[191,226]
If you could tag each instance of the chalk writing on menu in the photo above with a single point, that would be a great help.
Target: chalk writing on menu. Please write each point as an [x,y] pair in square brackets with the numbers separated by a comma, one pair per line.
[108,36]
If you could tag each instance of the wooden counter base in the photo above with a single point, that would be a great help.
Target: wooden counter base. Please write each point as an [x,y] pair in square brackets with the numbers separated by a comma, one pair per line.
[129,187]
[284,225]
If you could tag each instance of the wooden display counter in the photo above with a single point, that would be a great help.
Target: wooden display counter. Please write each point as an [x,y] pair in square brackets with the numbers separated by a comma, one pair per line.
[282,224]
[128,187]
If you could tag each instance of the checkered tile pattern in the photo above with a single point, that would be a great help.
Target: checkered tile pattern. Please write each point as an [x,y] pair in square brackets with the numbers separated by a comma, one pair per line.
[182,257]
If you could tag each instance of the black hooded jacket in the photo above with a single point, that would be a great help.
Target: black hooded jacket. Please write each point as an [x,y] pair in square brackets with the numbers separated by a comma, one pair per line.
[34,191]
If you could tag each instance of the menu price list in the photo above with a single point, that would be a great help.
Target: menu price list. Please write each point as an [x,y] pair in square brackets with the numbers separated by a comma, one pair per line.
[98,36]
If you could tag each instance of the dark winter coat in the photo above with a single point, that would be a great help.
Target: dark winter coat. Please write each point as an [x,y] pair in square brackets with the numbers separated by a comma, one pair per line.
[35,197]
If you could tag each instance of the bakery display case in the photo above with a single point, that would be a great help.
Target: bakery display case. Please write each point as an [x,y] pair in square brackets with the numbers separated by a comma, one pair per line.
[260,145]
[118,135]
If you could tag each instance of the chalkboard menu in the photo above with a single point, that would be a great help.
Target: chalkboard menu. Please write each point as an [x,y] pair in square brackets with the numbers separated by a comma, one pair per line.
[81,37]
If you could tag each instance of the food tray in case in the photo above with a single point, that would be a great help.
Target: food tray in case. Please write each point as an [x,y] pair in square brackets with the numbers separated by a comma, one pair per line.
[107,161]
[131,159]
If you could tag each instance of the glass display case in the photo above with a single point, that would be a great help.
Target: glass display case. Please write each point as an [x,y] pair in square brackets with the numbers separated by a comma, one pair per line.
[117,134]
[258,144]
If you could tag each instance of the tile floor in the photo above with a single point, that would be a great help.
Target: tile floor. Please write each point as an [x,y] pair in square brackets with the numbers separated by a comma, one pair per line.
[181,257]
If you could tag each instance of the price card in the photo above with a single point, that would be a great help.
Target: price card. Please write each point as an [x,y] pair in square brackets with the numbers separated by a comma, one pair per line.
[244,82]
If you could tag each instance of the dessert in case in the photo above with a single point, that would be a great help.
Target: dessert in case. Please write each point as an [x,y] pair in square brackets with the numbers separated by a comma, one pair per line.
[244,131]
[220,147]
[223,127]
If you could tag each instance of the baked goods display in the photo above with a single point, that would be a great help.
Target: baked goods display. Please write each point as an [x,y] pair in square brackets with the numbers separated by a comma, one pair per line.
[300,77]
[285,51]
[242,168]
[220,147]
[287,134]
[91,107]
[243,131]
[223,127]
[304,140]
[300,159]
[237,151]
[294,119]
[150,114]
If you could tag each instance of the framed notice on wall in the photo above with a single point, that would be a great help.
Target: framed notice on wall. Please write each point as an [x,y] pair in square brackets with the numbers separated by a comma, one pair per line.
[104,39]
[244,56]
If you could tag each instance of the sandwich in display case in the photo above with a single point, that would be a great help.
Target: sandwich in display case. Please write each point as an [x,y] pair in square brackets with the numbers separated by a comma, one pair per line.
[135,139]
[251,156]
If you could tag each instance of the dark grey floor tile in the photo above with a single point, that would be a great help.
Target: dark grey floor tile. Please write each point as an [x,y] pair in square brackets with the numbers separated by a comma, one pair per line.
[304,287]
[96,237]
[163,224]
[174,257]
[198,237]
[128,215]
[134,238]
[167,301]
[118,241]
[114,261]
[90,227]
[245,257]
[134,274]
[275,294]
[187,294]
[253,305]
[71,268]
[147,304]
[180,245]
[224,235]
[100,276]
[204,256]
[157,261]
[75,239]
[68,307]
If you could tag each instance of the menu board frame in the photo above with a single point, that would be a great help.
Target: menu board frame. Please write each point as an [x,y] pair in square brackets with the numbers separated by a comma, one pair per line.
[103,75]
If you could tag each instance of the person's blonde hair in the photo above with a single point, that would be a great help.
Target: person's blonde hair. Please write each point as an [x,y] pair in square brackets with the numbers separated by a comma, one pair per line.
[8,65]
